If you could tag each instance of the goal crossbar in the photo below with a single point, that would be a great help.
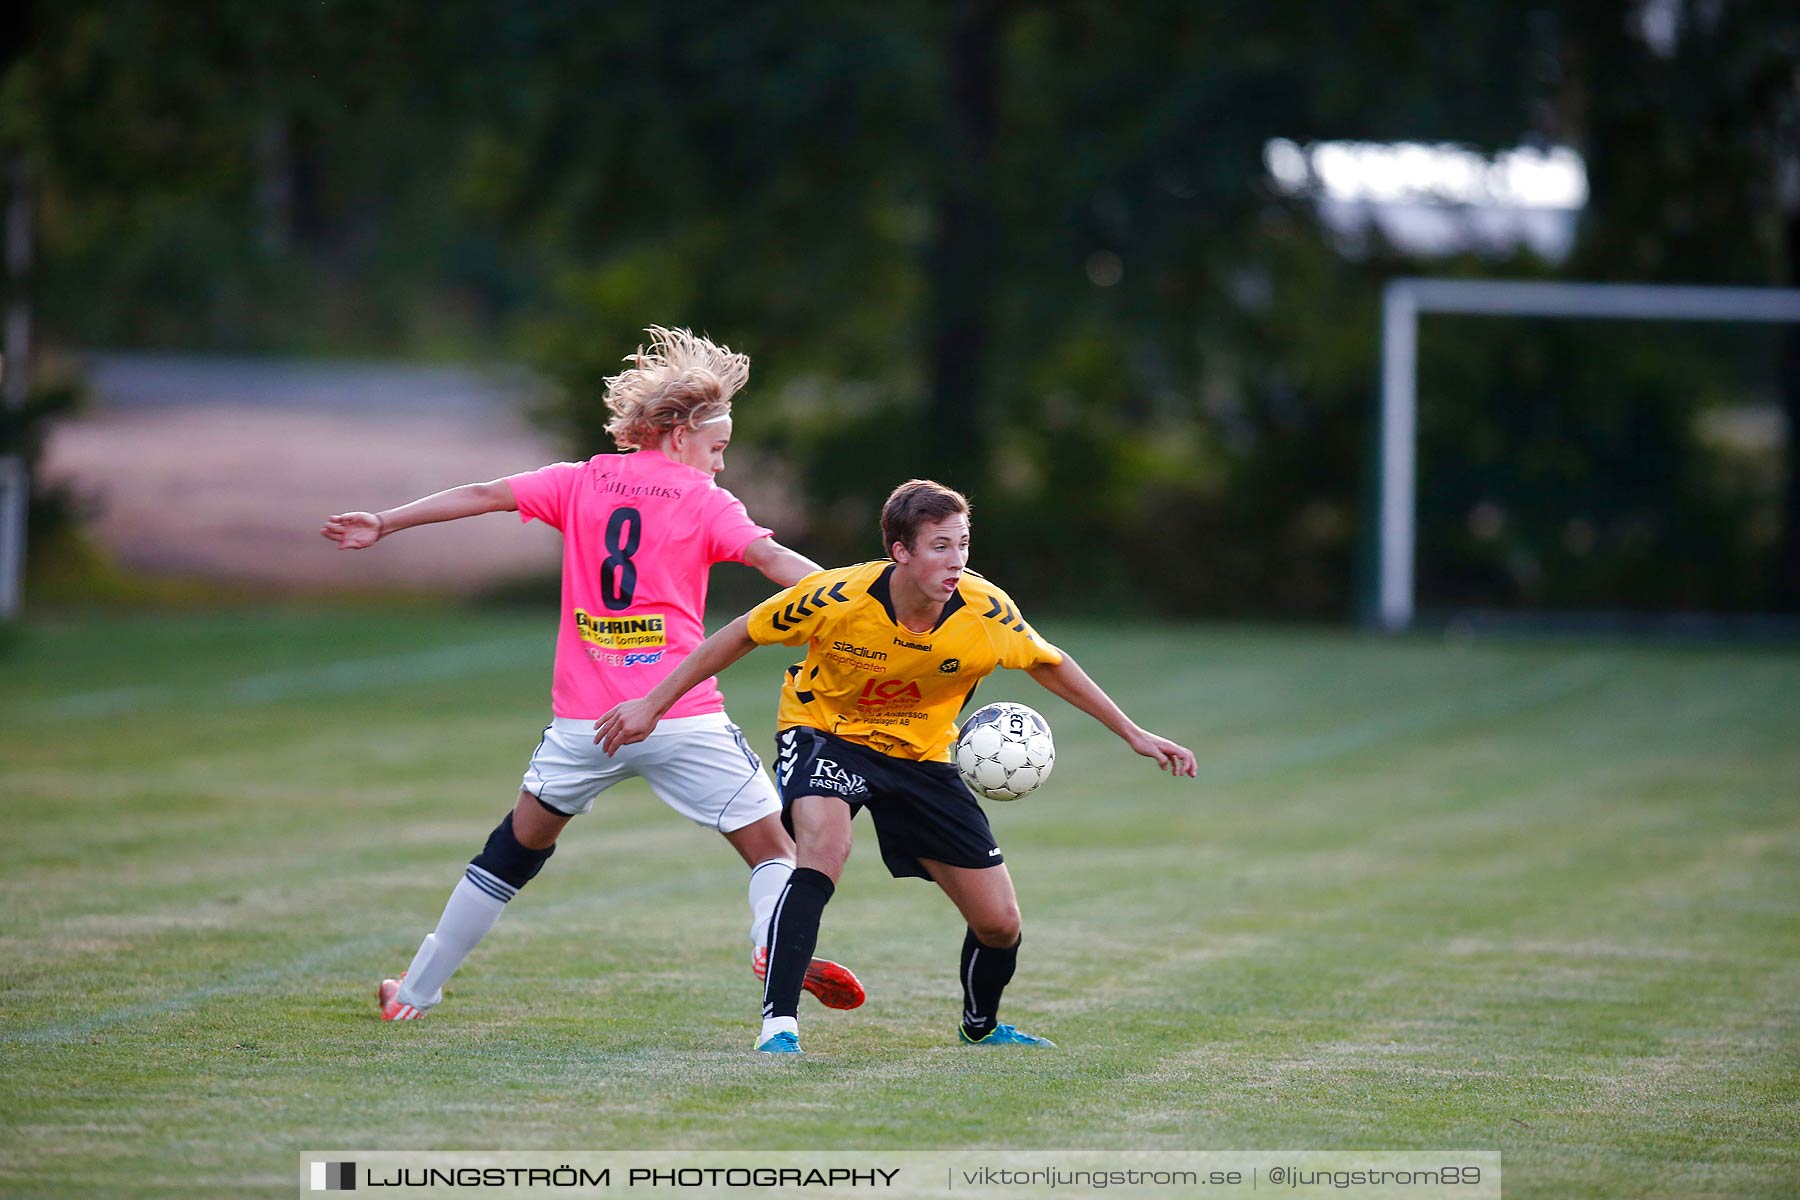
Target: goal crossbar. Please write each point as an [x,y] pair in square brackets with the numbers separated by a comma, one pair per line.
[1404,300]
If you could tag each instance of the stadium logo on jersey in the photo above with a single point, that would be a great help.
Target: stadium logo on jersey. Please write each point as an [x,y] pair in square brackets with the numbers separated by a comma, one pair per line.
[950,666]
[621,633]
[860,651]
[833,778]
[879,693]
[911,645]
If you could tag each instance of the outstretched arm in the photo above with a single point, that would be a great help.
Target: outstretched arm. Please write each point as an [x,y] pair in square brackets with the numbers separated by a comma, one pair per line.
[1067,680]
[360,530]
[633,720]
[784,567]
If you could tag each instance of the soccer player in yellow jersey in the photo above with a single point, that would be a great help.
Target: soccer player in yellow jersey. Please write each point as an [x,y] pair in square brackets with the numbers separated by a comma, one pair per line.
[894,648]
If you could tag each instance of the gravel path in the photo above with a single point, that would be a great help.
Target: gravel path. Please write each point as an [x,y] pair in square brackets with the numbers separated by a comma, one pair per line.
[224,469]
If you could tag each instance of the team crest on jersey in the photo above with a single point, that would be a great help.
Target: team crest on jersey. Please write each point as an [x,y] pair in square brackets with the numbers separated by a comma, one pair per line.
[950,666]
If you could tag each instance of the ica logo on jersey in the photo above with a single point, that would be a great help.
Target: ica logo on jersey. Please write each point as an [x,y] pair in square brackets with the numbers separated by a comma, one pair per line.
[878,693]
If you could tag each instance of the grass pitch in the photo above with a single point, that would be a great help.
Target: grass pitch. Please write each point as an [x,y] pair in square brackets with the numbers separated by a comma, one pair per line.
[1538,898]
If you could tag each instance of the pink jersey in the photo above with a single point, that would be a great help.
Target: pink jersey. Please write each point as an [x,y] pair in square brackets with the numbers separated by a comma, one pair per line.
[640,534]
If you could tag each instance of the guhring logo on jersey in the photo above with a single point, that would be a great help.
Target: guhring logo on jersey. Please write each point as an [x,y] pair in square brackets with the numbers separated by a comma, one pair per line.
[879,693]
[621,633]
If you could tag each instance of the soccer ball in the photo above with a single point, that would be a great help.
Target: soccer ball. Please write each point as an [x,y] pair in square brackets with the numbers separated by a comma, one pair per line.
[1004,750]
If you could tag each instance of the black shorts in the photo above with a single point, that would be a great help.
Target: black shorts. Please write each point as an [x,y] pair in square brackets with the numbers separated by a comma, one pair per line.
[920,809]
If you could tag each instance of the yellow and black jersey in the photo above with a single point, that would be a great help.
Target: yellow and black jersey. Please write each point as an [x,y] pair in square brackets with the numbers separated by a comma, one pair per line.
[869,679]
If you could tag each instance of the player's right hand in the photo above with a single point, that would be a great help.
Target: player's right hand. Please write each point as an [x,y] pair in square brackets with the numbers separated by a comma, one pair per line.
[353,531]
[625,724]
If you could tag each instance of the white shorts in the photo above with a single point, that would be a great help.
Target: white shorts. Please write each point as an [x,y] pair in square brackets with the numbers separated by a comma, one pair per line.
[700,766]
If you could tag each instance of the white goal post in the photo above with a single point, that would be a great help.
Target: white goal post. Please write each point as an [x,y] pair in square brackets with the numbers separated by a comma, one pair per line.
[1403,301]
[14,499]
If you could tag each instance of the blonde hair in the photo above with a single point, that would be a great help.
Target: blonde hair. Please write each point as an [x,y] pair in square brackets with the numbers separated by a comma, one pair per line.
[680,379]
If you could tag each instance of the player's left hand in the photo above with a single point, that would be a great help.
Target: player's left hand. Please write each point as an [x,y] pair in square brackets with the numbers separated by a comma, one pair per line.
[1176,759]
[625,724]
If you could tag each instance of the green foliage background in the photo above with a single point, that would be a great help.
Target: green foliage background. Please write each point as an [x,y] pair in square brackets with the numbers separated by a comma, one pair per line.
[1027,248]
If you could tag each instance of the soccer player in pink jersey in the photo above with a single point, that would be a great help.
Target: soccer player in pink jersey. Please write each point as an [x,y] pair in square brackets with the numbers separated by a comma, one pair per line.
[640,532]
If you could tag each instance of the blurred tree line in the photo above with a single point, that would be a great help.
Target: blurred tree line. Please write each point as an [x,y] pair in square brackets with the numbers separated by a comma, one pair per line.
[1028,249]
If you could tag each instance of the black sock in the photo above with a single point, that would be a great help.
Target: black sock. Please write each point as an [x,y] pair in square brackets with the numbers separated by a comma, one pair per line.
[506,859]
[986,970]
[793,932]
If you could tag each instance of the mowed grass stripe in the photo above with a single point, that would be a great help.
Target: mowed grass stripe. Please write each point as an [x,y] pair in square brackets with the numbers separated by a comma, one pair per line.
[356,857]
[1535,833]
[312,963]
[349,675]
[127,948]
[1427,899]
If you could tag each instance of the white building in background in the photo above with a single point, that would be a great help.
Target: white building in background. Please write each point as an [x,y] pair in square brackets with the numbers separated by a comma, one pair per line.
[1436,198]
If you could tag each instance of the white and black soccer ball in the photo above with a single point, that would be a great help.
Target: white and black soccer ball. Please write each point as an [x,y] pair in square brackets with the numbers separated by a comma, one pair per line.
[1004,751]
